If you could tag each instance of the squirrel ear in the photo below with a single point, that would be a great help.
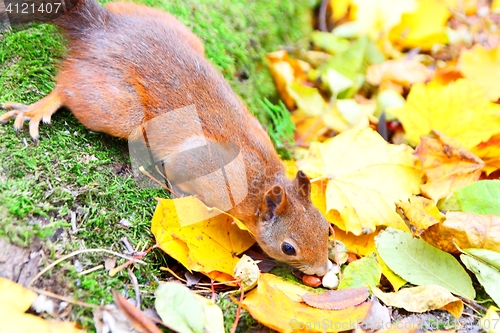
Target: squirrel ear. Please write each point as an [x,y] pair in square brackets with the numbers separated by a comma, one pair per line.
[275,201]
[302,184]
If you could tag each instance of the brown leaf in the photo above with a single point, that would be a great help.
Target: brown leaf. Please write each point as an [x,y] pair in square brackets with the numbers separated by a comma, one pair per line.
[466,230]
[419,214]
[447,165]
[337,299]
[136,318]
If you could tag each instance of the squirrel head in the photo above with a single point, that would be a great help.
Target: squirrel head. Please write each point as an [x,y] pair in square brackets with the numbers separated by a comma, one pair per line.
[290,229]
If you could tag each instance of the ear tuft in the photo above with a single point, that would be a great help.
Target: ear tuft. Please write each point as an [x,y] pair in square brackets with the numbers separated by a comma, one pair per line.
[302,185]
[275,201]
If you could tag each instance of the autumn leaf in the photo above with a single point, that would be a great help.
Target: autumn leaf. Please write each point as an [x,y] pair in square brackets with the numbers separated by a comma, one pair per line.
[491,316]
[209,247]
[366,175]
[460,110]
[16,300]
[278,305]
[419,214]
[422,264]
[481,65]
[379,16]
[419,29]
[485,264]
[337,299]
[365,272]
[489,152]
[466,231]
[481,197]
[446,164]
[421,299]
[397,74]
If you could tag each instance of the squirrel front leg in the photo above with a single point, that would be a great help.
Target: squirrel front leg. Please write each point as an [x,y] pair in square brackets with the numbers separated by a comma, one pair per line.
[36,112]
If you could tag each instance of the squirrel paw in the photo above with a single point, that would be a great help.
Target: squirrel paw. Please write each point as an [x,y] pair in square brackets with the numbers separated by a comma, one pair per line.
[39,111]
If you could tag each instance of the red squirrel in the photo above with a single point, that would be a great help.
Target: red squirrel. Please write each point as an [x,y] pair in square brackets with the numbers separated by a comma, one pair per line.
[129,64]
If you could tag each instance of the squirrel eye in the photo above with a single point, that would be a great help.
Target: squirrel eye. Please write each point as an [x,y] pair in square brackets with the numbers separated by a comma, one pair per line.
[288,249]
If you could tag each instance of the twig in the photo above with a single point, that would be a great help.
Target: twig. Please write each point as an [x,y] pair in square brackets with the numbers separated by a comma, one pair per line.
[64,299]
[237,319]
[75,253]
[135,283]
[322,16]
[90,270]
[147,174]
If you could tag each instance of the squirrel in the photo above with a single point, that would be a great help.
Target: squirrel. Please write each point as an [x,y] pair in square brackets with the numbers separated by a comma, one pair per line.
[129,65]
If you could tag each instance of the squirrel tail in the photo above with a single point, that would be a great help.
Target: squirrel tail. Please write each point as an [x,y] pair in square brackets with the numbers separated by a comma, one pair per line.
[73,16]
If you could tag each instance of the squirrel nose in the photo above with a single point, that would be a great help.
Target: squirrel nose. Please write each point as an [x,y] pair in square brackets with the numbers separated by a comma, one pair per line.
[323,269]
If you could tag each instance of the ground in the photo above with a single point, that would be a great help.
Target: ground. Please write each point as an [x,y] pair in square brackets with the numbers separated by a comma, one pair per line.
[74,190]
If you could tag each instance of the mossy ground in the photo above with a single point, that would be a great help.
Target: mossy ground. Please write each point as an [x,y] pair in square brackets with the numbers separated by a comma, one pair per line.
[74,172]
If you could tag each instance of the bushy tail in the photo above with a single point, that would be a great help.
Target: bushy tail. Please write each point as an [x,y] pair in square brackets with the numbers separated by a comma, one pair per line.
[73,16]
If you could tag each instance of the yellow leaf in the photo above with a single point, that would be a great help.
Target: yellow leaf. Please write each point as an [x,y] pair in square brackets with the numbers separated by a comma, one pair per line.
[395,280]
[466,231]
[460,110]
[446,165]
[278,304]
[495,5]
[308,99]
[209,246]
[490,321]
[15,301]
[489,152]
[419,214]
[339,8]
[375,17]
[420,29]
[361,245]
[366,176]
[483,66]
[421,299]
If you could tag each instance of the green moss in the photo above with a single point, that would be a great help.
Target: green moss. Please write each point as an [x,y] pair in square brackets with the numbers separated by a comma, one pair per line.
[74,172]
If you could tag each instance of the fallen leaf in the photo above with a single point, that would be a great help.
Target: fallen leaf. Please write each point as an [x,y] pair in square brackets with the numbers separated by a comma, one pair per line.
[209,247]
[379,16]
[419,214]
[366,175]
[364,272]
[421,299]
[466,231]
[278,305]
[481,65]
[482,197]
[395,280]
[460,110]
[402,72]
[329,42]
[337,299]
[135,317]
[490,321]
[446,164]
[419,29]
[488,275]
[361,245]
[309,100]
[489,152]
[185,312]
[422,264]
[15,301]
[378,317]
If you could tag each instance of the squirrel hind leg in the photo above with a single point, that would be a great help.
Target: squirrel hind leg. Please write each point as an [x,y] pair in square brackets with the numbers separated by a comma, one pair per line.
[36,112]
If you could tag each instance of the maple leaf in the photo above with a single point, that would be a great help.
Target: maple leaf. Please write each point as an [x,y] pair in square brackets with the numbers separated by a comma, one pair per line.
[278,305]
[366,176]
[209,246]
[446,165]
[481,65]
[460,110]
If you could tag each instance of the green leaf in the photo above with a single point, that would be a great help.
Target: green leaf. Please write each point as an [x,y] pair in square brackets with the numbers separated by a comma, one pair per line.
[482,197]
[491,258]
[422,264]
[179,309]
[361,273]
[486,274]
[329,42]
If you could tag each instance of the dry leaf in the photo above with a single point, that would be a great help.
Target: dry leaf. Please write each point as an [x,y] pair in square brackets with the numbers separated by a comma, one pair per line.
[482,65]
[400,72]
[421,299]
[366,175]
[460,110]
[419,214]
[135,316]
[209,247]
[489,152]
[15,301]
[337,299]
[278,304]
[466,230]
[447,165]
[247,272]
